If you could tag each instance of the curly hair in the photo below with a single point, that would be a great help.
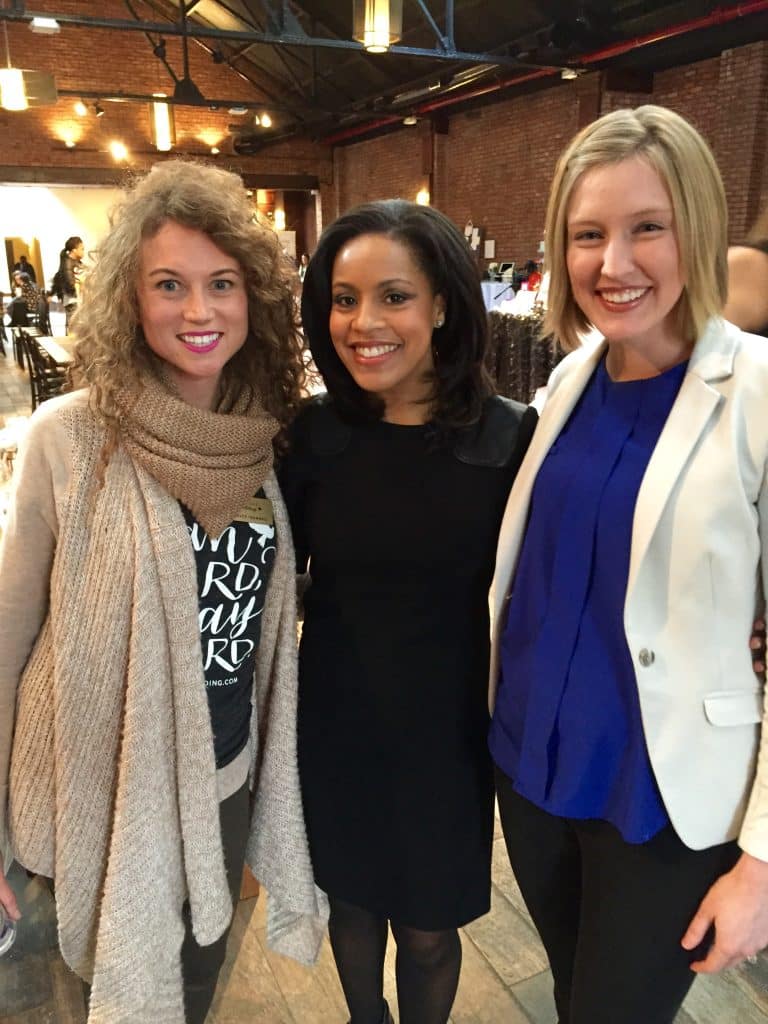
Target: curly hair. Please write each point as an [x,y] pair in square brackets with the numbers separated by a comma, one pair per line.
[460,382]
[111,353]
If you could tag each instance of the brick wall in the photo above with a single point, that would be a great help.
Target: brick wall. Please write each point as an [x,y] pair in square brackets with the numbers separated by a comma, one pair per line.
[387,167]
[112,61]
[495,164]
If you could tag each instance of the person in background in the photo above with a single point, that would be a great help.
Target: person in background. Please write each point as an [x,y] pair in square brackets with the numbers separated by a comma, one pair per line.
[67,279]
[147,600]
[632,560]
[747,304]
[26,267]
[28,290]
[533,280]
[395,481]
[303,264]
[43,313]
[17,310]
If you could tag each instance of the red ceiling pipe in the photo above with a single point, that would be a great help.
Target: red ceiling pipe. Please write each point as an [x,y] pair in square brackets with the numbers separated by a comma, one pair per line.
[720,16]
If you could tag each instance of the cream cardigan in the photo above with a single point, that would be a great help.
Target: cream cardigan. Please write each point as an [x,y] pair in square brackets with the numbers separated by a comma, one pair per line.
[104,722]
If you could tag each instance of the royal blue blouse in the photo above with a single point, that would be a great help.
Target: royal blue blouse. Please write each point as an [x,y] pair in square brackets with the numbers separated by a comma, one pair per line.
[566,728]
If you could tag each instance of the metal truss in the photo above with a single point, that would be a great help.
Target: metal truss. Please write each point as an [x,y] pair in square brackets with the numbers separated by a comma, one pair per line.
[282,29]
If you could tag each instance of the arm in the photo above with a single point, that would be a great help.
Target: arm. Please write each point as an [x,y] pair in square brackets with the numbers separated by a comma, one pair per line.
[737,904]
[26,557]
[291,471]
[67,269]
[747,304]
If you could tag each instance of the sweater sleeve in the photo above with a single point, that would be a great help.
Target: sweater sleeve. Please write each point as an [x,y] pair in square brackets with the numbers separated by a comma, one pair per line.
[26,556]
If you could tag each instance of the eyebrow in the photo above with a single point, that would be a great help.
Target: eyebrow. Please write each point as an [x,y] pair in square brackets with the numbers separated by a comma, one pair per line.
[382,284]
[651,212]
[178,273]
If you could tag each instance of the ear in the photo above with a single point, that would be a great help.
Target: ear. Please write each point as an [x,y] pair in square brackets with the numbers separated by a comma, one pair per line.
[438,309]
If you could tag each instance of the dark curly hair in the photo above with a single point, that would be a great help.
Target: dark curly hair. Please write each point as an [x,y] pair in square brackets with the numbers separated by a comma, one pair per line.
[460,381]
[111,351]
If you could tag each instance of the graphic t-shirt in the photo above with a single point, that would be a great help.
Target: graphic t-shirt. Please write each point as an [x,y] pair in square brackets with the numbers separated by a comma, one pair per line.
[232,576]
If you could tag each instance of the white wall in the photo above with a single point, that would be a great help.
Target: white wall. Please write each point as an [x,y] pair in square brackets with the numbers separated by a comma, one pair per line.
[51,214]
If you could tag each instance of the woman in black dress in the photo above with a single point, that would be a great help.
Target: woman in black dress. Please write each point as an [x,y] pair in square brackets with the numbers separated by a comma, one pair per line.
[395,483]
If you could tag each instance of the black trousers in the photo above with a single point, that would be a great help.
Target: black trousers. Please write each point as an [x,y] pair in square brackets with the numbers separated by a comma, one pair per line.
[610,914]
[201,964]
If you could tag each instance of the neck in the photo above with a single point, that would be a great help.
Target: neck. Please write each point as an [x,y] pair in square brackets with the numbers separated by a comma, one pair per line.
[407,414]
[625,361]
[202,394]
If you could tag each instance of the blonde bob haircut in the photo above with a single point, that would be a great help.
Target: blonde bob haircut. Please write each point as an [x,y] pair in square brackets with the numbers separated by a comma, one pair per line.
[685,164]
[111,352]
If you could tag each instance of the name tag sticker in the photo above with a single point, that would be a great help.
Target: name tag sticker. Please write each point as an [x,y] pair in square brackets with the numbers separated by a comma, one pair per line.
[257,510]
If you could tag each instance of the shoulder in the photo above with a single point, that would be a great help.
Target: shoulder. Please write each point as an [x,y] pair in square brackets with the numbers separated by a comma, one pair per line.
[733,359]
[747,258]
[497,436]
[751,353]
[54,420]
[721,335]
[574,360]
[318,429]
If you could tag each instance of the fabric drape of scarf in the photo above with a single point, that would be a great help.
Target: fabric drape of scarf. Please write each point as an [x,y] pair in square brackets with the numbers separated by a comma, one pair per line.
[212,462]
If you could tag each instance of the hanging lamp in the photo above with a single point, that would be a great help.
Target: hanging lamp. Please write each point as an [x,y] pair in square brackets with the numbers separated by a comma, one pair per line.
[377,24]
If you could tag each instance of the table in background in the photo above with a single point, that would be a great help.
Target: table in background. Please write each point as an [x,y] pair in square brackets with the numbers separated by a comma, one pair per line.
[59,349]
[495,292]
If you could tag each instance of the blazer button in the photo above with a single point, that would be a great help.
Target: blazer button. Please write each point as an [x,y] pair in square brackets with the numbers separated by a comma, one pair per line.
[646,657]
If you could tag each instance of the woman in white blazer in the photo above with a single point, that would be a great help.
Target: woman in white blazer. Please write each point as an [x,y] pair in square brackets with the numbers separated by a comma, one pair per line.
[632,560]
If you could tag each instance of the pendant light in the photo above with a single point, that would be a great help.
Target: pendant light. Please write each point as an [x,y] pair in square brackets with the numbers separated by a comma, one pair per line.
[377,24]
[163,127]
[13,95]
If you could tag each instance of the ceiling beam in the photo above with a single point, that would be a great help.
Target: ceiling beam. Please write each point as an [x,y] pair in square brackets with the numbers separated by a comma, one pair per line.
[237,35]
[297,110]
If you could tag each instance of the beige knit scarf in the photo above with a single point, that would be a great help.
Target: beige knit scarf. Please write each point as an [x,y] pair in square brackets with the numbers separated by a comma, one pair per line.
[212,462]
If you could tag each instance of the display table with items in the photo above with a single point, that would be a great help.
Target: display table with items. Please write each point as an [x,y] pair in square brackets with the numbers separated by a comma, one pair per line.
[521,358]
[495,292]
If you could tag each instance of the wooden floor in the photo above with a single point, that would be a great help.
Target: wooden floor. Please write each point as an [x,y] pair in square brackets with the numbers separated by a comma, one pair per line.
[504,977]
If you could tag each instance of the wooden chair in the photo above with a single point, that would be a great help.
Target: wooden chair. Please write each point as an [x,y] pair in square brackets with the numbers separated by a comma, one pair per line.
[46,379]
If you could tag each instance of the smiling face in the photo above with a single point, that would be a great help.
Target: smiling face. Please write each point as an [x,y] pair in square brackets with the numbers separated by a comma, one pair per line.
[383,312]
[193,308]
[622,255]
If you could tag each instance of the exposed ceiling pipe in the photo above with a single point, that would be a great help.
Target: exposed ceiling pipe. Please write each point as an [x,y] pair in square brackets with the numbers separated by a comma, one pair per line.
[720,16]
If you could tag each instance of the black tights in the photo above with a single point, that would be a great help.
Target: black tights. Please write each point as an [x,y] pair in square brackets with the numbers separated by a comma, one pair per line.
[427,966]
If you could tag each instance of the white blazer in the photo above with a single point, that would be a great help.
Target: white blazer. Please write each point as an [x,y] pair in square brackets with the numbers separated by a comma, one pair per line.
[697,576]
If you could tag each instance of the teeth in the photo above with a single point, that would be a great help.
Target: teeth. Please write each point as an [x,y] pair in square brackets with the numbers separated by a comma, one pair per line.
[628,295]
[369,351]
[199,340]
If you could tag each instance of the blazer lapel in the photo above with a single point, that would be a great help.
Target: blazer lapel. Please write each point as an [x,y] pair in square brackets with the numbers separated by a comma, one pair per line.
[696,402]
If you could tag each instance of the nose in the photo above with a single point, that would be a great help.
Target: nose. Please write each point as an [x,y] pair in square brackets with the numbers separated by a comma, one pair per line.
[367,315]
[197,307]
[618,257]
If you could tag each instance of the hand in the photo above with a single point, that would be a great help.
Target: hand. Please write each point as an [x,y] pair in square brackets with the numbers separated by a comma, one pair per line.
[8,899]
[757,646]
[737,906]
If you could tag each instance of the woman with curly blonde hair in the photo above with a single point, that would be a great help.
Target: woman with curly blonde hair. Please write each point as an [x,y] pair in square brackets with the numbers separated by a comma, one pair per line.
[147,610]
